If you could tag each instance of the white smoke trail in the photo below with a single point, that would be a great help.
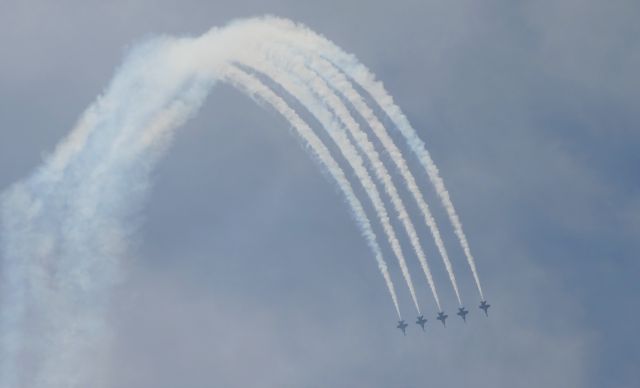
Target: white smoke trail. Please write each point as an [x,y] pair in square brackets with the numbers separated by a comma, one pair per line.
[366,79]
[252,55]
[329,123]
[294,65]
[254,87]
[255,36]
[343,86]
[65,228]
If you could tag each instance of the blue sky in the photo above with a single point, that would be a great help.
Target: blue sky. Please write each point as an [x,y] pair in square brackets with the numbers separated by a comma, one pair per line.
[248,270]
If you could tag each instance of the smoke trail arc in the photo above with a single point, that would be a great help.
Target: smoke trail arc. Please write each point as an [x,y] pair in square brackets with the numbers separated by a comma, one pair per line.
[65,229]
[293,66]
[254,87]
[322,113]
[342,85]
[350,65]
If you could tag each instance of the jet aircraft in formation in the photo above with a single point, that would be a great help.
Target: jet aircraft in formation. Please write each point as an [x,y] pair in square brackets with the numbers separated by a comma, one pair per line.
[442,317]
[463,314]
[402,326]
[484,306]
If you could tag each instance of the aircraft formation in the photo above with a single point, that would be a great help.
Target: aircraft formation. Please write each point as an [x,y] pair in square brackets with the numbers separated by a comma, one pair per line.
[442,317]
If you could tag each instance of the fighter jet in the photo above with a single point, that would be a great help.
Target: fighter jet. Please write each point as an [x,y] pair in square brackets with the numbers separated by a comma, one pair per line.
[463,314]
[442,317]
[484,306]
[421,321]
[402,326]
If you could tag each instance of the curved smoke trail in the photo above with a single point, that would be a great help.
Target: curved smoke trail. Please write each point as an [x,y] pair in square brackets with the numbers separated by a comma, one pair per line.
[342,85]
[294,66]
[304,94]
[65,228]
[367,80]
[254,87]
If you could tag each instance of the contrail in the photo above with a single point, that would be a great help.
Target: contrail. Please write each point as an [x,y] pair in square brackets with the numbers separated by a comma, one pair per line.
[294,65]
[66,228]
[343,86]
[327,120]
[254,87]
[255,38]
[363,76]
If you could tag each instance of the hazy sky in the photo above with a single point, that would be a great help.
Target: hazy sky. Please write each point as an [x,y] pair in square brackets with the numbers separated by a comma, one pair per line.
[248,270]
